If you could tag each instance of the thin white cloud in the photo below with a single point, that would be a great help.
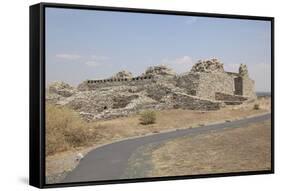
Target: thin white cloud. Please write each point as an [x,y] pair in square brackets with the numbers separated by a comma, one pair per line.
[92,63]
[68,56]
[180,65]
[96,61]
[95,57]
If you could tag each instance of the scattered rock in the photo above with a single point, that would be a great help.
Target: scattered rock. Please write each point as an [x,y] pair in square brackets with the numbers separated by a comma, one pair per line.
[61,88]
[159,70]
[208,66]
[243,70]
[122,74]
[79,157]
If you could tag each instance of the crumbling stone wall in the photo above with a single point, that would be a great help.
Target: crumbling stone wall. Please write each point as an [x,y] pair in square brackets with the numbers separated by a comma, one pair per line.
[96,84]
[205,80]
[161,70]
[208,66]
[211,83]
[189,82]
[185,101]
[206,87]
[227,97]
[249,88]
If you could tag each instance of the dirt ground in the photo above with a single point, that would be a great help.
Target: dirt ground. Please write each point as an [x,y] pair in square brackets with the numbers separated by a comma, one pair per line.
[119,128]
[108,131]
[234,150]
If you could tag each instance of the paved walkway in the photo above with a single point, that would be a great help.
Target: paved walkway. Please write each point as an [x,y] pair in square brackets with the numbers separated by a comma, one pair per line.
[110,161]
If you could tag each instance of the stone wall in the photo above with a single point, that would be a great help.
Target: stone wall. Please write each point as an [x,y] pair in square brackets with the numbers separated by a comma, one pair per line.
[195,103]
[227,97]
[249,88]
[210,83]
[206,87]
[201,84]
[189,82]
[95,84]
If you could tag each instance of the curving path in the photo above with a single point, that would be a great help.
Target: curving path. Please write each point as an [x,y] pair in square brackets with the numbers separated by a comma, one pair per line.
[108,162]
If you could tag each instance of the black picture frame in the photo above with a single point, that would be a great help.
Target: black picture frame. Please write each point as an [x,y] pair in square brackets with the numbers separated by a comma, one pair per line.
[37,93]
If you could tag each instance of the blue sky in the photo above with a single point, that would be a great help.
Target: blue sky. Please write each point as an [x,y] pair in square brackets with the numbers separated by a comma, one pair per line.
[86,44]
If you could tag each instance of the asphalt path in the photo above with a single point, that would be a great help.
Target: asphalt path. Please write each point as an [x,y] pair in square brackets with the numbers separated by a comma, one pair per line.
[109,162]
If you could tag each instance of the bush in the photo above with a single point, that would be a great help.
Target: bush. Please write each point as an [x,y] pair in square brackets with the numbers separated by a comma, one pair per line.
[65,130]
[147,117]
[256,106]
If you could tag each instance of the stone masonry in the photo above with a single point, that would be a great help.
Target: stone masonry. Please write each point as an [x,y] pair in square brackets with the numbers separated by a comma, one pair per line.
[206,87]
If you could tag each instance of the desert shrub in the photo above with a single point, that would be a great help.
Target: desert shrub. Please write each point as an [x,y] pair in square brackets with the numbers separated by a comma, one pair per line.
[147,117]
[257,106]
[65,130]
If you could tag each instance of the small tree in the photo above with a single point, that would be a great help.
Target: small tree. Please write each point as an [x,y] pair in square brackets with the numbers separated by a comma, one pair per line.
[147,117]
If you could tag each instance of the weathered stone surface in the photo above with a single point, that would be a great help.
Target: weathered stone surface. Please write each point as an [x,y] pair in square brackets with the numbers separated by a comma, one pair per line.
[206,87]
[226,97]
[243,70]
[122,101]
[159,70]
[195,103]
[122,74]
[84,86]
[61,88]
[208,66]
[230,99]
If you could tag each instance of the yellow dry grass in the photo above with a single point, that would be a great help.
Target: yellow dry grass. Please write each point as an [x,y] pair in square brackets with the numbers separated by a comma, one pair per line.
[67,134]
[173,119]
[243,149]
[65,130]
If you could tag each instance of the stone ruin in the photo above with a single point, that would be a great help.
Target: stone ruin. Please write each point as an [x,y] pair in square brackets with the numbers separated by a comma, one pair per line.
[122,74]
[161,70]
[208,66]
[206,87]
[243,70]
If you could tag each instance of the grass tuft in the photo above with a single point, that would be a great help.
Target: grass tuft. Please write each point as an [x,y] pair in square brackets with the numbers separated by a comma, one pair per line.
[147,117]
[256,106]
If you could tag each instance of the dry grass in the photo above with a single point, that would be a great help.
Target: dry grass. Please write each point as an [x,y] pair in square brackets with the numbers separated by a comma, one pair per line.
[256,106]
[173,119]
[264,103]
[65,130]
[147,117]
[67,134]
[234,150]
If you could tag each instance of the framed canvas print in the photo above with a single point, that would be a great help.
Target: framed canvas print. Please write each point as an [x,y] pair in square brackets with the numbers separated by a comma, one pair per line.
[130,95]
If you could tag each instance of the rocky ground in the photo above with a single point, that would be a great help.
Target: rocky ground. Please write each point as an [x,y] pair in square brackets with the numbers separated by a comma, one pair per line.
[119,101]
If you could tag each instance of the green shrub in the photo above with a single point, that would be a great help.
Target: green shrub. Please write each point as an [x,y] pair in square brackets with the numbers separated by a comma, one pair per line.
[256,106]
[147,117]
